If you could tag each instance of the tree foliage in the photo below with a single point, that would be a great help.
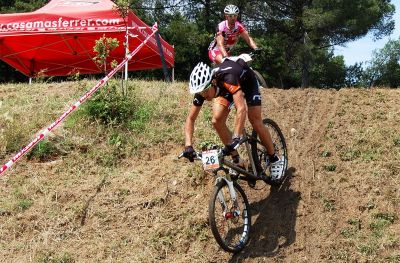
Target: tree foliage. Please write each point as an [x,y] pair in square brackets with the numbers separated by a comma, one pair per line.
[103,46]
[355,76]
[297,36]
[384,68]
[19,6]
[306,26]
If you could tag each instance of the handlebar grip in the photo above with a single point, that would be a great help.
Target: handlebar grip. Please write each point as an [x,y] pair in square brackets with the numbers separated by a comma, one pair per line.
[255,52]
[197,156]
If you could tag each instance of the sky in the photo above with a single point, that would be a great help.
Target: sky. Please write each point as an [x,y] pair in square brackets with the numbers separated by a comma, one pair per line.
[361,50]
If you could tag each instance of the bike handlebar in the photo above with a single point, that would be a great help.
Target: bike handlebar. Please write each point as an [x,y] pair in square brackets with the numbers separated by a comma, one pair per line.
[221,151]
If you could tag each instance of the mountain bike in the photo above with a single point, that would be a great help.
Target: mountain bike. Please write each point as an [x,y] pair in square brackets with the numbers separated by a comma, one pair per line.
[229,210]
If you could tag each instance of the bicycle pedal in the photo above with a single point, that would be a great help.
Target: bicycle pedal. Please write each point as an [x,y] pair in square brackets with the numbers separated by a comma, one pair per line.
[251,183]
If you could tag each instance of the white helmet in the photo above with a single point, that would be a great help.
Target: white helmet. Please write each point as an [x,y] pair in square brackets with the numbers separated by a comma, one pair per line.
[200,78]
[231,10]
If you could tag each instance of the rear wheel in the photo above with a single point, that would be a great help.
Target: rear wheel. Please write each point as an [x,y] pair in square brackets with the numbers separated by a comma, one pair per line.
[259,152]
[260,79]
[230,219]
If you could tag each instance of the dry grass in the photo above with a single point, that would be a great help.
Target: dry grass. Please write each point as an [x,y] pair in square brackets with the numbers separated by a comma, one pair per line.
[119,195]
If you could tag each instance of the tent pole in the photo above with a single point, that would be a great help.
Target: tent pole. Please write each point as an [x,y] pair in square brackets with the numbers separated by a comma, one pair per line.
[30,80]
[173,69]
[126,52]
[164,65]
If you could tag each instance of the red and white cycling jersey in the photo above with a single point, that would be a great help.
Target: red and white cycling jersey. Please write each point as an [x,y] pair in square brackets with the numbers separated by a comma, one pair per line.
[231,36]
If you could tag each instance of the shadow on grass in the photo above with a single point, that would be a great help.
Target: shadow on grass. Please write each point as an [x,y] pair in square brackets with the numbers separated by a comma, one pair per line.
[274,227]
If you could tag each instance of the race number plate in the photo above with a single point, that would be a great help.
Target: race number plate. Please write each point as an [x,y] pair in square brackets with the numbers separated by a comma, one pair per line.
[210,159]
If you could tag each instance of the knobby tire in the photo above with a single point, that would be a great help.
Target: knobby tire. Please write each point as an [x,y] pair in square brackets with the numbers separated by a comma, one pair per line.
[259,152]
[231,234]
[260,79]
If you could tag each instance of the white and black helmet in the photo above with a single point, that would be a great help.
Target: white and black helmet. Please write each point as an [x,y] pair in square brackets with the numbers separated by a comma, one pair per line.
[200,78]
[231,10]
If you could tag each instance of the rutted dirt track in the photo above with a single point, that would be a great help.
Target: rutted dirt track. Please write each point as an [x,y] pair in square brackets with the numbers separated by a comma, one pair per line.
[344,166]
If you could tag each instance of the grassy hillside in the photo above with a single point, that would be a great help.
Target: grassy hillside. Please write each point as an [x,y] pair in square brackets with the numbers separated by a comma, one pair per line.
[113,191]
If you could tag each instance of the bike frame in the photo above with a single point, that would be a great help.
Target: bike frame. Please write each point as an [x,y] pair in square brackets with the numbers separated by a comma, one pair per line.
[230,164]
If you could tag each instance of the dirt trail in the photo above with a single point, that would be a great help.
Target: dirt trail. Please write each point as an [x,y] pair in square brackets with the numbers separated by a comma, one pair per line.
[344,157]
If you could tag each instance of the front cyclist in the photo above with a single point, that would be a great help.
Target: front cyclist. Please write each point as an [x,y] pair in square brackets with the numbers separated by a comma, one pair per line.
[236,79]
[228,32]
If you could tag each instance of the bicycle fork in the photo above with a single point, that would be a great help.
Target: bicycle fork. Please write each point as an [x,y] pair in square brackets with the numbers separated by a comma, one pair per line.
[234,211]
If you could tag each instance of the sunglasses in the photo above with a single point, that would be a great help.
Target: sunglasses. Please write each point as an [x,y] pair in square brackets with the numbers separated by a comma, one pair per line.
[232,16]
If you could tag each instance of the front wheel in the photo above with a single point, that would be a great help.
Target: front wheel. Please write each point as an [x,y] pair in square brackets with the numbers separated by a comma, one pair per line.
[259,152]
[260,79]
[229,216]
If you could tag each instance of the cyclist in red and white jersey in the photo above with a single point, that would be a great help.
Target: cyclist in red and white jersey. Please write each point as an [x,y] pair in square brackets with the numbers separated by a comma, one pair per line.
[228,33]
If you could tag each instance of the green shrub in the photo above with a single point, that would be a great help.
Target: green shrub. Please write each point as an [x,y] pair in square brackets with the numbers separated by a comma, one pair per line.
[110,107]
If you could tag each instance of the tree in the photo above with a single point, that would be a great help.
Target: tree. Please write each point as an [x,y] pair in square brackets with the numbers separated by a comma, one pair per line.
[9,74]
[306,26]
[384,67]
[297,35]
[103,46]
[189,44]
[19,6]
[355,75]
[328,71]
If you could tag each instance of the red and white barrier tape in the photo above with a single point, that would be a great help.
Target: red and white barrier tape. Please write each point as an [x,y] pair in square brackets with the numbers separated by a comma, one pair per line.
[44,132]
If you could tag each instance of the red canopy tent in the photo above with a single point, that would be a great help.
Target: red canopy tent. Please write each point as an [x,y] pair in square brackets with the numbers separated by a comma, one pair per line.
[58,39]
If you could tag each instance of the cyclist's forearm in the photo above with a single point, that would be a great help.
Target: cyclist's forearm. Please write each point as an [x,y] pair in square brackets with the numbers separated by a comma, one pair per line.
[223,51]
[249,40]
[220,45]
[189,130]
[252,44]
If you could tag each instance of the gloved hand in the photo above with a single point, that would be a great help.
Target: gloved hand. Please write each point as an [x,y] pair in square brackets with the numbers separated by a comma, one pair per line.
[232,146]
[189,153]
